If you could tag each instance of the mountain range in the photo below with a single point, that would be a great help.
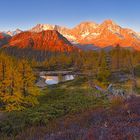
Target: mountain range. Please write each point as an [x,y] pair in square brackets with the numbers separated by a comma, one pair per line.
[101,35]
[12,33]
[86,35]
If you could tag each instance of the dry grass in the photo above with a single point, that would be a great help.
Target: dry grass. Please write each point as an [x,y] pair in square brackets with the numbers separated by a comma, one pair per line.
[116,101]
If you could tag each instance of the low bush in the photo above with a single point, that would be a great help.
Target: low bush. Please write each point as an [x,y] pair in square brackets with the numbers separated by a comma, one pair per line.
[54,102]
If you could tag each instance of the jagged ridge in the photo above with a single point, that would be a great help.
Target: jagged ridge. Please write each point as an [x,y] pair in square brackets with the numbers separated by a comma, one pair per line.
[102,35]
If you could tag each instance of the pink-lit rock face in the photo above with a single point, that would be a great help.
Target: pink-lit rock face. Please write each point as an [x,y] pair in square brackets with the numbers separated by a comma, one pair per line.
[102,35]
[49,40]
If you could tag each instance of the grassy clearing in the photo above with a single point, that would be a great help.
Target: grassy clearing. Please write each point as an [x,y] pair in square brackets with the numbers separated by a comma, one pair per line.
[55,101]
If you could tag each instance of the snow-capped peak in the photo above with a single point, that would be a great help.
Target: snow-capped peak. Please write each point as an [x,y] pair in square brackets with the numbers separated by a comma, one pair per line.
[87,24]
[85,27]
[111,26]
[12,33]
[42,27]
[109,22]
[104,34]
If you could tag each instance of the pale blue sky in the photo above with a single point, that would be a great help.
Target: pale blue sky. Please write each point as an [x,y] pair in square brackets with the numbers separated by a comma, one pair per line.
[25,14]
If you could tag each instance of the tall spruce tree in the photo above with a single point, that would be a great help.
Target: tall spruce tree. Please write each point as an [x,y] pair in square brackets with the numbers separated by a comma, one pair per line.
[17,84]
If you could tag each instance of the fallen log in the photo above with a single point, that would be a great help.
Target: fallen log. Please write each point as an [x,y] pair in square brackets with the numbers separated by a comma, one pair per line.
[109,90]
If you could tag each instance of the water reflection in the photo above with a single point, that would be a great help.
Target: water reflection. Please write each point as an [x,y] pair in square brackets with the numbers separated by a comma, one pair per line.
[51,80]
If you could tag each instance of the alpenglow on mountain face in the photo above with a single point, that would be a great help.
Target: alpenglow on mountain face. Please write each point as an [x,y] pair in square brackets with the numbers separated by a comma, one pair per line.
[102,35]
[49,40]
[88,35]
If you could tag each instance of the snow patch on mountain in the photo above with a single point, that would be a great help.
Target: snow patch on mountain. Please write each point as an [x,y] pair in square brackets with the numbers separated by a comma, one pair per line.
[12,33]
[47,27]
[95,34]
[114,30]
[85,34]
[70,36]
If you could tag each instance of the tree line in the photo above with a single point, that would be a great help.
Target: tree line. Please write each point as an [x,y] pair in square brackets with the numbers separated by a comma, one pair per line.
[17,80]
